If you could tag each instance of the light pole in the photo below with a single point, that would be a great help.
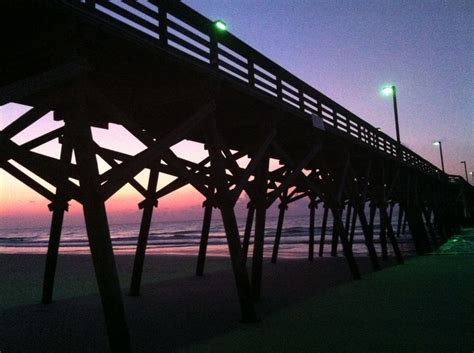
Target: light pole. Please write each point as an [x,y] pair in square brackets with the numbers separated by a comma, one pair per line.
[392,90]
[472,174]
[438,143]
[465,170]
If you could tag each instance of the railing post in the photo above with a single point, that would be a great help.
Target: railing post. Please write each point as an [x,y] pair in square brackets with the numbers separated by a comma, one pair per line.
[279,87]
[163,24]
[301,99]
[213,52]
[334,116]
[251,71]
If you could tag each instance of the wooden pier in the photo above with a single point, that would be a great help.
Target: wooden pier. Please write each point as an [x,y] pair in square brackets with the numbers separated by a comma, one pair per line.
[166,74]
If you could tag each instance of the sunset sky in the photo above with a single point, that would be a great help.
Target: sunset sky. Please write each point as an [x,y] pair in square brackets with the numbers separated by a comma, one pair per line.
[346,49]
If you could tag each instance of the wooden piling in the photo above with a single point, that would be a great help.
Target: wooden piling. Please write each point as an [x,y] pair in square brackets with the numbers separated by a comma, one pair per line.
[276,245]
[312,208]
[323,230]
[144,233]
[206,225]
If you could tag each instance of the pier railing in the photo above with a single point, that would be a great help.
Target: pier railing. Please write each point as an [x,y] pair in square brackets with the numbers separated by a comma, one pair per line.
[181,30]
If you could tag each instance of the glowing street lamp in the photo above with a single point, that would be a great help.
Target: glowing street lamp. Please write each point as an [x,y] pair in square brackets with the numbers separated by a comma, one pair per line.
[465,170]
[388,90]
[438,143]
[220,25]
[392,91]
[472,175]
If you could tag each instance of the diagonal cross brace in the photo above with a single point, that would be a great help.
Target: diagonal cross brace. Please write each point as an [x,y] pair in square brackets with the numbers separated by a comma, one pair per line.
[47,168]
[27,180]
[253,165]
[112,162]
[120,175]
[40,140]
[297,171]
[24,121]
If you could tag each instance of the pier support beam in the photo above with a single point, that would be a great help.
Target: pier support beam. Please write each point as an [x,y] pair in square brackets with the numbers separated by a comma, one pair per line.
[335,235]
[345,244]
[248,229]
[372,211]
[417,229]
[312,207]
[385,219]
[260,217]
[98,232]
[58,208]
[323,230]
[358,198]
[206,225]
[225,205]
[400,219]
[429,226]
[281,215]
[382,234]
[144,233]
[335,203]
[353,225]
[368,236]
[53,247]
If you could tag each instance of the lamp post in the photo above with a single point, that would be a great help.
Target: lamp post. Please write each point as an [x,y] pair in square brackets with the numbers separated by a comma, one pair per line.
[465,170]
[392,90]
[438,143]
[472,174]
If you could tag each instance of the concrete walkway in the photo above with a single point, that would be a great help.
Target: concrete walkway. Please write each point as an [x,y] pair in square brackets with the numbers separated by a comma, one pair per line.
[426,305]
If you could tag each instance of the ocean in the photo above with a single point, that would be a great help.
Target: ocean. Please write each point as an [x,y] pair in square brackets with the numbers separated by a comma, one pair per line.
[172,237]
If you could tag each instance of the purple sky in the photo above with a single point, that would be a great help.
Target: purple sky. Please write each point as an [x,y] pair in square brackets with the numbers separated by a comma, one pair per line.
[349,49]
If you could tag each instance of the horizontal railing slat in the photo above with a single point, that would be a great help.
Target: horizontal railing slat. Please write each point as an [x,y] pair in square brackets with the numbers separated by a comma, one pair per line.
[264,75]
[188,45]
[266,86]
[234,69]
[187,33]
[142,8]
[232,58]
[128,15]
[291,99]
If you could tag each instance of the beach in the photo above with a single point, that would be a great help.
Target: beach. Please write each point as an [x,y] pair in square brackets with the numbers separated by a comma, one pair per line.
[425,305]
[175,309]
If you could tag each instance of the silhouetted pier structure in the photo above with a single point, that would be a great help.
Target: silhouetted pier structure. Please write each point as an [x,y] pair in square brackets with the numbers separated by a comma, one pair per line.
[164,73]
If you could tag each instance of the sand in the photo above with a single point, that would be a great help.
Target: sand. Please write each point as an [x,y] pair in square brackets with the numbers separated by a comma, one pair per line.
[426,305]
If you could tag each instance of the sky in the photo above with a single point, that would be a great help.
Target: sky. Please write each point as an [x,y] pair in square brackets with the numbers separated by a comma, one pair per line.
[348,50]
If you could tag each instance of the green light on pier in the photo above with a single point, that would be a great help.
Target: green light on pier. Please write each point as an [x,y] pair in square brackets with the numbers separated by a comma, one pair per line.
[220,25]
[388,90]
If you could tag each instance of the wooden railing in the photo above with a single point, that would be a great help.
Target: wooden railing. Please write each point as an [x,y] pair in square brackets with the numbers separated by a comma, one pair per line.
[179,29]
